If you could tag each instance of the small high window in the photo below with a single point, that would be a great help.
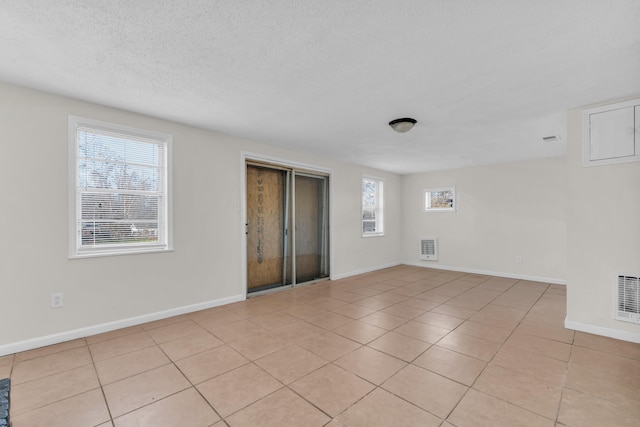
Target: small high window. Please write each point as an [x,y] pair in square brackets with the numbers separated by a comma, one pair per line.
[440,199]
[372,207]
[119,198]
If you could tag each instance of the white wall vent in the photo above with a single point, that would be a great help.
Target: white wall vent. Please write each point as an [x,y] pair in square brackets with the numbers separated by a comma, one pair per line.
[429,249]
[628,299]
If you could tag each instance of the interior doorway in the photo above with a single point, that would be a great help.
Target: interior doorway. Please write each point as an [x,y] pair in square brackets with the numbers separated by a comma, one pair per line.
[287,227]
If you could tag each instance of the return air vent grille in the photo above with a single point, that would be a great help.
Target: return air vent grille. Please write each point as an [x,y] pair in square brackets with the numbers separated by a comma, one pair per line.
[429,249]
[628,299]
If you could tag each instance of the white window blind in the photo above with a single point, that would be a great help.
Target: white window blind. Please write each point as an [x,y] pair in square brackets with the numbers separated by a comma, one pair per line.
[372,207]
[120,197]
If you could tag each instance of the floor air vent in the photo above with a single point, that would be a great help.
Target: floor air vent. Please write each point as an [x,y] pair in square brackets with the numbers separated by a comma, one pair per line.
[628,299]
[429,249]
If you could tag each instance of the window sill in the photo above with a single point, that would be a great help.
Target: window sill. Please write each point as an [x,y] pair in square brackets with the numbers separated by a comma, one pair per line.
[98,254]
[373,235]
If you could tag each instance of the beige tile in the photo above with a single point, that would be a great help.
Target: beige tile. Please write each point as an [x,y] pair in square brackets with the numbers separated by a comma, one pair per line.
[7,360]
[213,320]
[332,389]
[605,362]
[440,320]
[374,303]
[174,331]
[290,364]
[523,390]
[126,365]
[281,409]
[421,304]
[328,320]
[86,409]
[403,310]
[456,366]
[260,344]
[46,390]
[182,347]
[140,390]
[600,384]
[273,320]
[433,297]
[422,331]
[470,345]
[370,364]
[243,329]
[251,308]
[298,331]
[499,316]
[487,332]
[164,322]
[5,371]
[353,311]
[554,349]
[51,349]
[118,333]
[326,303]
[608,345]
[450,310]
[423,388]
[329,346]
[400,346]
[302,311]
[117,346]
[349,297]
[186,408]
[451,289]
[384,320]
[359,331]
[477,409]
[545,368]
[514,301]
[391,296]
[382,409]
[553,319]
[208,364]
[547,331]
[579,409]
[238,388]
[51,364]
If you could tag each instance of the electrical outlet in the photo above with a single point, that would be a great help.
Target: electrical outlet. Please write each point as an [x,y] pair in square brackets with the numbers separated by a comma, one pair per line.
[519,259]
[57,300]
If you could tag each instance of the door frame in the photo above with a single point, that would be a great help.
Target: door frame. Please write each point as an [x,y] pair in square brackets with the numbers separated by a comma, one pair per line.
[246,156]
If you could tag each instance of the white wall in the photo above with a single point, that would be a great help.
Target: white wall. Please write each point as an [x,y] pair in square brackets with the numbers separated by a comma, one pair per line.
[204,270]
[603,222]
[504,211]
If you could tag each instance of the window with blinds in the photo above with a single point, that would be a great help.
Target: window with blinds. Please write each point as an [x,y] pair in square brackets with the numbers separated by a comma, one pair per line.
[119,194]
[372,207]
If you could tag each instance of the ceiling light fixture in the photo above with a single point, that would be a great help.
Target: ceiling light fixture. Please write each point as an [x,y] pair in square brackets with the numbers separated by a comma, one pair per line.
[402,125]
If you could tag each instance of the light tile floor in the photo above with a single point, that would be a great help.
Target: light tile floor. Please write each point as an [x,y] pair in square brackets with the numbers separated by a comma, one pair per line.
[402,346]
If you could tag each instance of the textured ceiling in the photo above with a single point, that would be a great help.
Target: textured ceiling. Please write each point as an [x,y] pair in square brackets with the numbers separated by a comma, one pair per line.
[486,80]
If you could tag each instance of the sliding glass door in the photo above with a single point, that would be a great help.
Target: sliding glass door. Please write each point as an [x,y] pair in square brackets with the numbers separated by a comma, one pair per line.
[278,197]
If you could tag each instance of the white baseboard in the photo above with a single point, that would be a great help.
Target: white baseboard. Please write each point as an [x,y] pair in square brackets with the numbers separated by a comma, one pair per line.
[111,326]
[491,273]
[600,330]
[366,270]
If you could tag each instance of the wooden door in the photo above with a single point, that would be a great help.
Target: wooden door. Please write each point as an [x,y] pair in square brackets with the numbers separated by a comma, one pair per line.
[265,218]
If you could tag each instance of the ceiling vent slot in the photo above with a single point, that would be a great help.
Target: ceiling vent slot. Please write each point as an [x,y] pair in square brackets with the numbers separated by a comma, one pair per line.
[429,249]
[628,299]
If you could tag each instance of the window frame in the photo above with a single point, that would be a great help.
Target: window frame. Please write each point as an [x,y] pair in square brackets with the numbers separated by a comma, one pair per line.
[165,215]
[378,209]
[427,199]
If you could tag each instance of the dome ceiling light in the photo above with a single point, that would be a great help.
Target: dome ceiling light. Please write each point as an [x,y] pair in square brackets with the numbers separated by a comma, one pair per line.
[402,125]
